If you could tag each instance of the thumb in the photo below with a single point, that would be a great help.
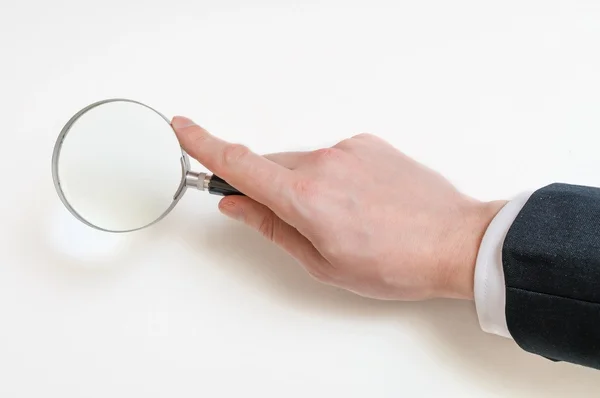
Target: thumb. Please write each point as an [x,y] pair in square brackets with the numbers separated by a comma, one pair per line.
[263,220]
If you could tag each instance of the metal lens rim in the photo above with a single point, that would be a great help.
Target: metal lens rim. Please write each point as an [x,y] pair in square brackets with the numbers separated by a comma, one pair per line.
[185,166]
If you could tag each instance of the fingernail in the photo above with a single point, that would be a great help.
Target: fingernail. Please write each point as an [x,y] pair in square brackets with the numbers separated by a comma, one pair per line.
[228,207]
[180,122]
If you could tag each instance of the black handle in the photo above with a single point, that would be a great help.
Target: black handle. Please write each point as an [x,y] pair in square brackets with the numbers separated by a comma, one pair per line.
[218,186]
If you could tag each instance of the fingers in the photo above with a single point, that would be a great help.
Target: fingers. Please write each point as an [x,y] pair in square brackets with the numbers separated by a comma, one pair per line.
[289,160]
[252,174]
[263,220]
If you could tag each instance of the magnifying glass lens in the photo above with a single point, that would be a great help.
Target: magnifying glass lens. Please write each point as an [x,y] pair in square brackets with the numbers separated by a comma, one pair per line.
[118,166]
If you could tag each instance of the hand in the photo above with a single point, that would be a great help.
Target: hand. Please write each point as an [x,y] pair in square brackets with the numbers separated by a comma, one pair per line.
[360,215]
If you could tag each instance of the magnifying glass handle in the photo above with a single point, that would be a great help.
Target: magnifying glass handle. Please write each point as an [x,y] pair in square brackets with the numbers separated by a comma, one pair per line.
[211,183]
[218,186]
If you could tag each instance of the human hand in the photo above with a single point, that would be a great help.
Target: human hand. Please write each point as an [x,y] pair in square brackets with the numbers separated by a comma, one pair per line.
[360,215]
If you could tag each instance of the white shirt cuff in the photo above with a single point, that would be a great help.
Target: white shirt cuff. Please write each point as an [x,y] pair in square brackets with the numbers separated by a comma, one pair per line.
[490,288]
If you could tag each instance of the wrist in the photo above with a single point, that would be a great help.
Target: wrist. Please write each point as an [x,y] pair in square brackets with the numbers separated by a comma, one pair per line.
[476,218]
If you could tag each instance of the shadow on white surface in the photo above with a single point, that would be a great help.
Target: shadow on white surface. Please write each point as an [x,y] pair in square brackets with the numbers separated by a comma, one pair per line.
[447,330]
[73,251]
[71,239]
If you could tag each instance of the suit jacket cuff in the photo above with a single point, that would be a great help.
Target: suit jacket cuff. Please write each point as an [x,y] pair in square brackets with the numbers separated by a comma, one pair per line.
[489,287]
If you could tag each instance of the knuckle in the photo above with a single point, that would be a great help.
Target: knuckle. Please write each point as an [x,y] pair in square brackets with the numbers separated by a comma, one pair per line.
[234,153]
[306,188]
[327,154]
[364,136]
[198,138]
[346,145]
[357,143]
[332,250]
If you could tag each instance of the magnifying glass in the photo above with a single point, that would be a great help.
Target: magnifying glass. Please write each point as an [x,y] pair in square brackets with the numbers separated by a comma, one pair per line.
[117,166]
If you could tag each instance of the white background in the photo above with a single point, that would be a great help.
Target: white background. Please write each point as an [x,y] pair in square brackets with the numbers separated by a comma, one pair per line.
[500,96]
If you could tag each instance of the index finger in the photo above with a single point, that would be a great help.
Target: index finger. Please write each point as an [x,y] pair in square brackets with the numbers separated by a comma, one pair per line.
[252,174]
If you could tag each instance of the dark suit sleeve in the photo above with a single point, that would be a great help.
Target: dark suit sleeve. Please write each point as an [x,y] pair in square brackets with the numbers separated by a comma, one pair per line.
[551,261]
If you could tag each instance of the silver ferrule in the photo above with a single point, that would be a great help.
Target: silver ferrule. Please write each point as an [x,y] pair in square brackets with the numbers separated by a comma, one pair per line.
[198,181]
